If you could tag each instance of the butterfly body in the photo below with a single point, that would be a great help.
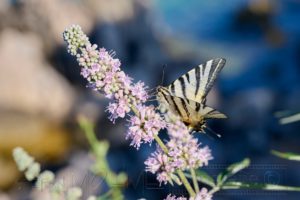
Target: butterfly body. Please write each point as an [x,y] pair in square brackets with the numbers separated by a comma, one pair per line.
[186,96]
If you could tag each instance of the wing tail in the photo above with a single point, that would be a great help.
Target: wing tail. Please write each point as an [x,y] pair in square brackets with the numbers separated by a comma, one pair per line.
[210,113]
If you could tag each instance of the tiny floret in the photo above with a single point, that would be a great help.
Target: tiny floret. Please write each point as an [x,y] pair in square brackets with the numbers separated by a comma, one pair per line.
[44,180]
[203,195]
[22,158]
[184,149]
[74,193]
[33,171]
[144,127]
[75,38]
[159,163]
[171,197]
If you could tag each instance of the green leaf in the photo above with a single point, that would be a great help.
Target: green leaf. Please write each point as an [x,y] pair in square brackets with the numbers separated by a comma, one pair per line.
[286,155]
[290,119]
[231,170]
[260,186]
[203,177]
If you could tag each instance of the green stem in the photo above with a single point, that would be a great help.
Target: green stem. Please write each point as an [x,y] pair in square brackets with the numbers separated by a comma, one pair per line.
[195,182]
[161,144]
[214,190]
[88,130]
[101,166]
[186,183]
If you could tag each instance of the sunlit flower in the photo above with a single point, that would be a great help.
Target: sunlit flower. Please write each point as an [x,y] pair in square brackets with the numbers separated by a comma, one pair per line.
[171,197]
[159,163]
[33,171]
[203,195]
[22,158]
[138,90]
[145,126]
[184,149]
[44,180]
[103,73]
[74,193]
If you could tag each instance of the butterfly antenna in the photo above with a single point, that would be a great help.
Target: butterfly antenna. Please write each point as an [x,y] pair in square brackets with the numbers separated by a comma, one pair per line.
[163,74]
[213,132]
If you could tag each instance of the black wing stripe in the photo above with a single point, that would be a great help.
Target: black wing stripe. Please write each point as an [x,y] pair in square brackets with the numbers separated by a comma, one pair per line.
[198,106]
[173,88]
[197,74]
[183,103]
[170,100]
[176,107]
[211,111]
[216,67]
[212,71]
[187,77]
[182,84]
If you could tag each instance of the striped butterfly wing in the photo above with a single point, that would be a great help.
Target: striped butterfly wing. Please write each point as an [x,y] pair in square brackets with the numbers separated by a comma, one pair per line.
[188,110]
[196,84]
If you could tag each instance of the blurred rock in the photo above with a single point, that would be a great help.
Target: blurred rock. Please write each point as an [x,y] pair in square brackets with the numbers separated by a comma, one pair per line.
[4,197]
[44,140]
[112,11]
[34,102]
[8,174]
[4,6]
[46,18]
[50,18]
[27,83]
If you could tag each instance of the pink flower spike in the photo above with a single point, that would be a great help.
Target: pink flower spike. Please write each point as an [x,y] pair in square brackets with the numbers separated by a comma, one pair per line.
[144,127]
[171,197]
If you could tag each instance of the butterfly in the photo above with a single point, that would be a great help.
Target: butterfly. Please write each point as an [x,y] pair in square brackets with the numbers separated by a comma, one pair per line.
[186,96]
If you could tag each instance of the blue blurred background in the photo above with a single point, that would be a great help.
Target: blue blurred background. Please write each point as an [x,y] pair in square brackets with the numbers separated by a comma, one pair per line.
[41,91]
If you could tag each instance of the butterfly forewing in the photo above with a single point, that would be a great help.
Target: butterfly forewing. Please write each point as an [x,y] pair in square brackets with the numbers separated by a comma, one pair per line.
[196,84]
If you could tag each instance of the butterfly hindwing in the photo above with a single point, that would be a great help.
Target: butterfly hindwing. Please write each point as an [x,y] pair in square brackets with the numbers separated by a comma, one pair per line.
[196,84]
[192,113]
[186,96]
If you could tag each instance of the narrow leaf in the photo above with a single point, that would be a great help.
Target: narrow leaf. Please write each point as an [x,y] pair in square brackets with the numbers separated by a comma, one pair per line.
[260,186]
[290,119]
[231,170]
[286,155]
[203,177]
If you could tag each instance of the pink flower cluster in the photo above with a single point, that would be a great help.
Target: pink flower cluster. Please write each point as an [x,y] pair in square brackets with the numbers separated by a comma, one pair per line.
[173,197]
[145,126]
[184,149]
[184,153]
[202,195]
[103,73]
[159,163]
